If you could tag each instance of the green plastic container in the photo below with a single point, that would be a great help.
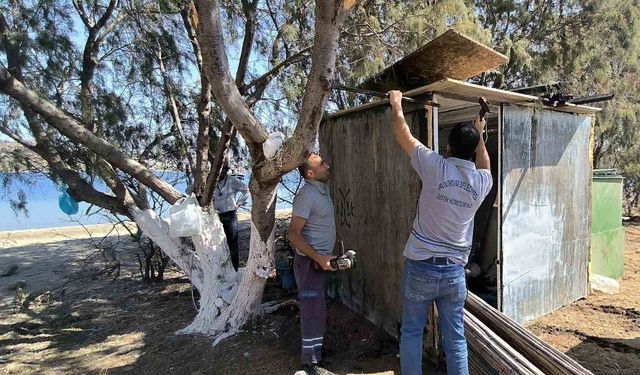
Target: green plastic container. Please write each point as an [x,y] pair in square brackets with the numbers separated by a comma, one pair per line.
[607,233]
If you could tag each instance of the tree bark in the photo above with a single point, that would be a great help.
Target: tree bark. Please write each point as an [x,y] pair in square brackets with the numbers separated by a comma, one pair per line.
[90,61]
[157,229]
[216,67]
[328,22]
[227,133]
[226,320]
[220,282]
[228,130]
[200,169]
[261,253]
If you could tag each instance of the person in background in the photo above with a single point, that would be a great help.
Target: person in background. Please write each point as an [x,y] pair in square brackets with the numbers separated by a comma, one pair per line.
[227,202]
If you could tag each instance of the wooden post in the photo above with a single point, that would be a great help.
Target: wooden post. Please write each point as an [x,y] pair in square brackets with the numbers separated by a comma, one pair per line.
[434,126]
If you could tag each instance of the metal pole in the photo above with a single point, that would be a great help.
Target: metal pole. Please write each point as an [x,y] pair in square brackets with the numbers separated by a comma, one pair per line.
[592,99]
[382,95]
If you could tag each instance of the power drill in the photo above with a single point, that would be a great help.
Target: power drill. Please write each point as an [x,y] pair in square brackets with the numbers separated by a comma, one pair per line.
[344,262]
[341,263]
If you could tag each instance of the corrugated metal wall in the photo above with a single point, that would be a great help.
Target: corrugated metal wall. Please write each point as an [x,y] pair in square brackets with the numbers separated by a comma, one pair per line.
[546,187]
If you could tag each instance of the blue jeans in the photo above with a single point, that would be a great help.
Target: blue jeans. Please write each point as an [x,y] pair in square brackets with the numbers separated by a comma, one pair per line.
[423,283]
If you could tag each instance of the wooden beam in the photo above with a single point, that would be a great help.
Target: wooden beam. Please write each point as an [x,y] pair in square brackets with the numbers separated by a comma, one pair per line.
[459,90]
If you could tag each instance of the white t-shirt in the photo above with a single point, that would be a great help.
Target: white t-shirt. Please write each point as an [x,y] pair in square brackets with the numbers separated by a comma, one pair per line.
[226,192]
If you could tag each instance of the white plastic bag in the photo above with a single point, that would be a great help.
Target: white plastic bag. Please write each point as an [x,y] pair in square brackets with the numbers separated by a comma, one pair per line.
[185,218]
[271,146]
[604,284]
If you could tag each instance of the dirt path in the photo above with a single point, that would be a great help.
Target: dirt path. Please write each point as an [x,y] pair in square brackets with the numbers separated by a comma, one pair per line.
[602,331]
[92,324]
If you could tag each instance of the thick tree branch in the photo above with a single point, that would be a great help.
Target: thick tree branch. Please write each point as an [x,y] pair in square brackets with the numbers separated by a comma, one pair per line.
[187,16]
[79,188]
[109,28]
[216,67]
[82,13]
[330,16]
[13,135]
[76,132]
[107,14]
[264,79]
[15,57]
[204,107]
[90,60]
[249,10]
[227,133]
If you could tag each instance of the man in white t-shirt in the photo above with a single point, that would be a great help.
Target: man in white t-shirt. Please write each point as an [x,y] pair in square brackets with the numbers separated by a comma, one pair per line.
[227,203]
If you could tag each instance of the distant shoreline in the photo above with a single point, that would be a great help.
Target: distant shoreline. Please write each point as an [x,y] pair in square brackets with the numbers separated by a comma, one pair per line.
[41,235]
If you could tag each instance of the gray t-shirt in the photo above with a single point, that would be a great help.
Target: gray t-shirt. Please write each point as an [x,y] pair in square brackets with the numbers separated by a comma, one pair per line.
[452,191]
[313,203]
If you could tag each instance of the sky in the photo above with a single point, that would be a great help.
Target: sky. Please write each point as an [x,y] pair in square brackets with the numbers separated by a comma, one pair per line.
[257,63]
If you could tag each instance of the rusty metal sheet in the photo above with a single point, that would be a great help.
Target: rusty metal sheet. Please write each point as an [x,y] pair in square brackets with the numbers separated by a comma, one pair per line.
[546,189]
[450,55]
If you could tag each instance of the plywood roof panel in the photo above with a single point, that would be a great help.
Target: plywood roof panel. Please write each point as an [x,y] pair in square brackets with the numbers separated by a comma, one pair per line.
[451,55]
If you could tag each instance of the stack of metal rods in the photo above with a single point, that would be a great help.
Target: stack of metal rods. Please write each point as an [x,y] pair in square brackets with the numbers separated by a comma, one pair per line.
[491,351]
[482,321]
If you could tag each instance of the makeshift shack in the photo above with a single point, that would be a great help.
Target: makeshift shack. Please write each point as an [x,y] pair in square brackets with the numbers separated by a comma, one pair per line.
[532,234]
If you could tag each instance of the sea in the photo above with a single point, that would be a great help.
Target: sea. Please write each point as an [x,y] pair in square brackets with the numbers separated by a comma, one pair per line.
[42,210]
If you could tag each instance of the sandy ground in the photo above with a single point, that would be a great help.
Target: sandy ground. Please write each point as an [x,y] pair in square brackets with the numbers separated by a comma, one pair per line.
[602,331]
[82,320]
[48,259]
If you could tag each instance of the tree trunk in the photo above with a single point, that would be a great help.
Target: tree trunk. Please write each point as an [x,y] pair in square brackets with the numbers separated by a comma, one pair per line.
[219,316]
[246,304]
[226,301]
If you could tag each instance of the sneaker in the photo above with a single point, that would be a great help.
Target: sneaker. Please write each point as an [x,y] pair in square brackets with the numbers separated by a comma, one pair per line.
[314,369]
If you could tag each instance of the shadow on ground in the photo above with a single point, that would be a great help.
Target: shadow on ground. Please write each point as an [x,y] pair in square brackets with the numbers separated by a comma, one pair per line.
[127,327]
[608,356]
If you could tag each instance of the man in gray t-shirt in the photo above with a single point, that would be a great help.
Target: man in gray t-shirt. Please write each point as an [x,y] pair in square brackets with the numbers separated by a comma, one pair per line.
[313,233]
[440,240]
